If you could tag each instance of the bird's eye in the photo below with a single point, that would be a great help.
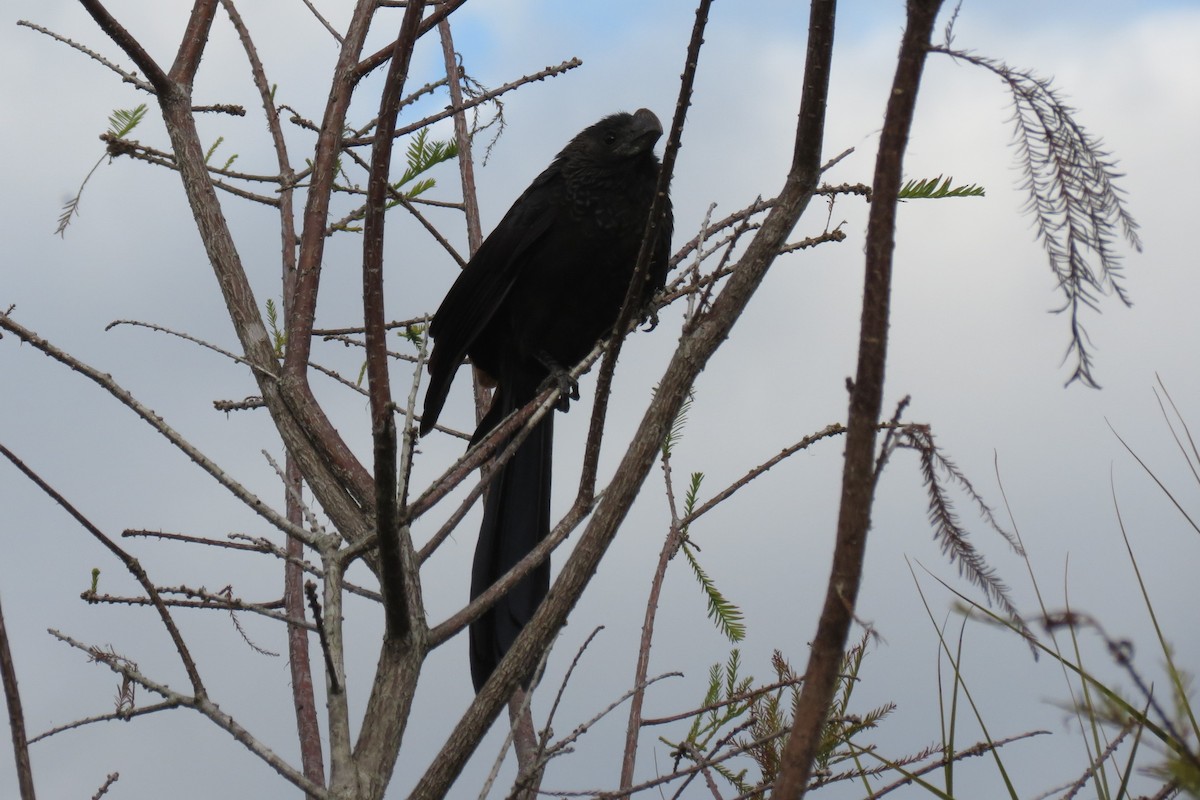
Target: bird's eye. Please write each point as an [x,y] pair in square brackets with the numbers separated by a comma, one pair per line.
[609,138]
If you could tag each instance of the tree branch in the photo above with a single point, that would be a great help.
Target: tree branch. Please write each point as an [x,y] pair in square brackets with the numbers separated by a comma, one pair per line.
[383,422]
[404,643]
[107,383]
[339,481]
[132,47]
[16,717]
[866,401]
[131,564]
[191,46]
[369,64]
[312,756]
[654,222]
[126,76]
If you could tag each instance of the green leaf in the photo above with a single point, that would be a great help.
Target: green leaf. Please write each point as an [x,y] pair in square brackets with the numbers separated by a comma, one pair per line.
[423,155]
[937,188]
[710,696]
[415,334]
[677,425]
[727,616]
[228,162]
[689,498]
[122,120]
[420,187]
[213,148]
[278,336]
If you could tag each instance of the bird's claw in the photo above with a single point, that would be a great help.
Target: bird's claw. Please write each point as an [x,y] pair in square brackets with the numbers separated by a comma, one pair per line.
[568,388]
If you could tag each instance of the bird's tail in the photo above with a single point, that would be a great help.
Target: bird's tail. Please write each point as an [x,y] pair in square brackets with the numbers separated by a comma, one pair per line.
[516,517]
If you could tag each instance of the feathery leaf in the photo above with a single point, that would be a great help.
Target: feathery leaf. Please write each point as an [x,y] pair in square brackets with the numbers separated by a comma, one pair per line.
[937,188]
[122,121]
[727,616]
[1078,209]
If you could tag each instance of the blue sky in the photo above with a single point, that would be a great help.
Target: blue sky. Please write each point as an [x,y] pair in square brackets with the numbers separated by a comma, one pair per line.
[972,342]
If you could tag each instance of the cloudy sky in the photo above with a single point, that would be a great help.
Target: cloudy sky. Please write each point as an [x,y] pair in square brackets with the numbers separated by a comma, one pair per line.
[973,343]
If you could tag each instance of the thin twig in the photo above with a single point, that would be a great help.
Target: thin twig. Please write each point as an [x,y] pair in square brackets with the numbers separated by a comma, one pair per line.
[314,604]
[203,599]
[186,336]
[324,22]
[201,704]
[16,717]
[131,564]
[109,780]
[833,429]
[582,728]
[597,794]
[544,737]
[128,77]
[294,499]
[107,383]
[123,715]
[670,545]
[731,700]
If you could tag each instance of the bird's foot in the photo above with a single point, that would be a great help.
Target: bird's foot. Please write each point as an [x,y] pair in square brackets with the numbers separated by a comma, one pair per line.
[568,387]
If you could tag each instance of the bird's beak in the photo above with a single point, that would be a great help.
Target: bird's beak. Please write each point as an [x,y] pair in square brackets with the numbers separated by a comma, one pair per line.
[646,129]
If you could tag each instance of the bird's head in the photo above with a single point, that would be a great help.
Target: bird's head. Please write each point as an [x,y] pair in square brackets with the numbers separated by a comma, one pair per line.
[619,137]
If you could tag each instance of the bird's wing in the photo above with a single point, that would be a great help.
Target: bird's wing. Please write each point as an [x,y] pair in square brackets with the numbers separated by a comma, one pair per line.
[484,283]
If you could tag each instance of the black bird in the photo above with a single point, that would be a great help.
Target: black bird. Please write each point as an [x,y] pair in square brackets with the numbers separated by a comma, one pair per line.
[542,289]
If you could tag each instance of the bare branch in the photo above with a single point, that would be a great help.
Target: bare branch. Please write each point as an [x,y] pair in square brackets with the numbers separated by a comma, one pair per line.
[186,336]
[314,604]
[670,546]
[128,77]
[16,717]
[192,43]
[833,429]
[131,564]
[160,158]
[107,383]
[132,47]
[350,474]
[548,72]
[380,57]
[866,398]
[462,138]
[393,579]
[109,780]
[203,599]
[631,307]
[324,23]
[123,715]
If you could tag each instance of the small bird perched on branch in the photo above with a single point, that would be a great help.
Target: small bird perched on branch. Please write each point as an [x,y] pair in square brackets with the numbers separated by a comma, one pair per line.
[542,289]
